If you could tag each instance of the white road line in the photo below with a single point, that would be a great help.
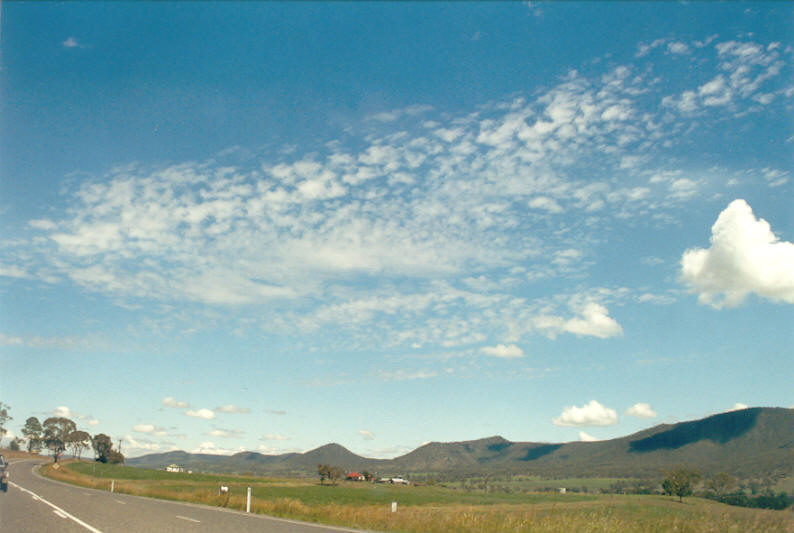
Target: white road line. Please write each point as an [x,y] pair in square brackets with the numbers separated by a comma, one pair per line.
[188,519]
[58,510]
[121,502]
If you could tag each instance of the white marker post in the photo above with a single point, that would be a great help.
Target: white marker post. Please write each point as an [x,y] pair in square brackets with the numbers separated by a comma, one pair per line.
[393,507]
[112,485]
[248,501]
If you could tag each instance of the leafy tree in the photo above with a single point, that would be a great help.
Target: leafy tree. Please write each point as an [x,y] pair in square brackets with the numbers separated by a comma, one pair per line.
[115,458]
[102,446]
[32,431]
[324,471]
[335,474]
[680,481]
[332,473]
[16,444]
[4,417]
[78,441]
[56,430]
[721,484]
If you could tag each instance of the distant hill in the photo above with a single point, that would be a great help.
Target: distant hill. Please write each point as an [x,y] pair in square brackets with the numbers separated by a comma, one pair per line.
[747,443]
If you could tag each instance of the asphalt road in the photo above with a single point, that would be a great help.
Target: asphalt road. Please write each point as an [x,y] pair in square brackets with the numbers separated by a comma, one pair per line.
[35,504]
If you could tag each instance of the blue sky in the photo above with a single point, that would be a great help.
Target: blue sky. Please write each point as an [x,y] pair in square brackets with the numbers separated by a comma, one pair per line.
[270,226]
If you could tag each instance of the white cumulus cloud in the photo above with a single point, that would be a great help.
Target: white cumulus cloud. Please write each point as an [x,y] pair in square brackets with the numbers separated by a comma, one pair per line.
[745,257]
[169,401]
[62,411]
[206,414]
[510,351]
[592,414]
[641,410]
[584,437]
[151,429]
[595,321]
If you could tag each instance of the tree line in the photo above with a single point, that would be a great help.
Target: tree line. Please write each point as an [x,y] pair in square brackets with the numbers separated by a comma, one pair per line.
[57,434]
[722,487]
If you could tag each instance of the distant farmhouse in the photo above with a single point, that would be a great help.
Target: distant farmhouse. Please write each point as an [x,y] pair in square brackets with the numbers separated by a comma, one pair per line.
[174,468]
[355,476]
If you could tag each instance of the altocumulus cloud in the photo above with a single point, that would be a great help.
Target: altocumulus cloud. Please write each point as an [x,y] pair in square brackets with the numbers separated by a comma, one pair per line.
[411,198]
[745,257]
[592,414]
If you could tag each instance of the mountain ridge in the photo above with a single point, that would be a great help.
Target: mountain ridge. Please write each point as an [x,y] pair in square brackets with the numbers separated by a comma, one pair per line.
[746,443]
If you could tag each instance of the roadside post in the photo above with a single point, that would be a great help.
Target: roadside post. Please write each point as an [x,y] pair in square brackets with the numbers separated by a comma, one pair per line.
[248,501]
[112,485]
[393,507]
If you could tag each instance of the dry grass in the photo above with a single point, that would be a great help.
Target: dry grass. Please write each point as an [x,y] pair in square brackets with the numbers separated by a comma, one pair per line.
[608,513]
[11,454]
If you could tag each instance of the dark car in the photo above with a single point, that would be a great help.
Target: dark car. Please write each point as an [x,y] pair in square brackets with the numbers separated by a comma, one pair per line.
[3,474]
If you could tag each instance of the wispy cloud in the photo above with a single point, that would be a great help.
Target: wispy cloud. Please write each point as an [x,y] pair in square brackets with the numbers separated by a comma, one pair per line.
[64,343]
[366,434]
[209,447]
[232,409]
[12,271]
[226,433]
[138,445]
[273,436]
[405,375]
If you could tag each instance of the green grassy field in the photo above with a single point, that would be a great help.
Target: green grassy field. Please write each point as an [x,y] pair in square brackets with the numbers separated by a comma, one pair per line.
[524,483]
[312,493]
[435,509]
